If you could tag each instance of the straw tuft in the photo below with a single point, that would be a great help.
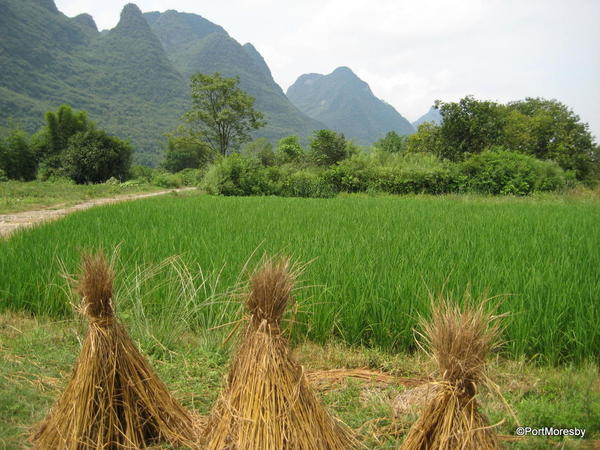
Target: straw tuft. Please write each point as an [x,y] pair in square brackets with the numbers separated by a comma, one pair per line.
[271,288]
[459,341]
[113,400]
[95,285]
[268,403]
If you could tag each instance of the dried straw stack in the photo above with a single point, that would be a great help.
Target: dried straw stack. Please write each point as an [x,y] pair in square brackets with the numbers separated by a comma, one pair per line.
[459,341]
[267,403]
[114,400]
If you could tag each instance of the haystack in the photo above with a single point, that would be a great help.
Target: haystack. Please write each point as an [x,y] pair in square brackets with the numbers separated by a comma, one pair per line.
[459,342]
[267,403]
[114,400]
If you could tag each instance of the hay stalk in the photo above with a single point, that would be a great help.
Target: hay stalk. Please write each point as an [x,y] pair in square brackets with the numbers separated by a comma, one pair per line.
[114,400]
[459,341]
[268,403]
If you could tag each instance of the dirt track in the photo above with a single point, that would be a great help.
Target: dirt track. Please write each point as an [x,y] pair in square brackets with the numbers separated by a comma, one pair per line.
[13,221]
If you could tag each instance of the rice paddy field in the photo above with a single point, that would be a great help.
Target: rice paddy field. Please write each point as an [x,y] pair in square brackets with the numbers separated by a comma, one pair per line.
[371,265]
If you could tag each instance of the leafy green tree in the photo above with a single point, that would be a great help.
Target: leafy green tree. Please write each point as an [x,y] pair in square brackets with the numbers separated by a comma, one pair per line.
[289,149]
[261,149]
[469,126]
[328,147]
[548,129]
[17,159]
[391,143]
[222,114]
[54,137]
[186,151]
[93,156]
[427,139]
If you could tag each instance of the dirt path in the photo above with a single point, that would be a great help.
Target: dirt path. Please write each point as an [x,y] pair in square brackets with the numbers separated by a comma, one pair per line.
[13,221]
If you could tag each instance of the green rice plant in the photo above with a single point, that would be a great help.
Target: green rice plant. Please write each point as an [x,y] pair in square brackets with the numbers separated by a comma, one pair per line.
[374,261]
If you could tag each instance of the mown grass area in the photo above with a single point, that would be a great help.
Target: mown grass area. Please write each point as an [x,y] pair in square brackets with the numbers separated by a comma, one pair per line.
[37,356]
[373,263]
[18,196]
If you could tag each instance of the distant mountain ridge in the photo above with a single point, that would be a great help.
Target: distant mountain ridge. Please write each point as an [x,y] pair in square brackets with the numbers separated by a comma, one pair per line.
[133,79]
[346,104]
[433,115]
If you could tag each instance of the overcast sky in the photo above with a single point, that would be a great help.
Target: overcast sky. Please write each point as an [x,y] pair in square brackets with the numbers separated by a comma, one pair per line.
[414,52]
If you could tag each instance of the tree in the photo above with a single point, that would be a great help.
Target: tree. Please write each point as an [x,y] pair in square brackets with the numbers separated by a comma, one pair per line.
[427,139]
[548,129]
[289,149]
[470,126]
[391,143]
[17,159]
[54,137]
[328,147]
[93,156]
[222,114]
[262,150]
[186,151]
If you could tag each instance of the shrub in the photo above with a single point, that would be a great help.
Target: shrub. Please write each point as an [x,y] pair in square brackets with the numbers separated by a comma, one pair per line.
[238,175]
[498,171]
[328,147]
[351,175]
[17,159]
[140,172]
[306,184]
[190,177]
[289,150]
[93,157]
[416,180]
[262,150]
[167,180]
[185,152]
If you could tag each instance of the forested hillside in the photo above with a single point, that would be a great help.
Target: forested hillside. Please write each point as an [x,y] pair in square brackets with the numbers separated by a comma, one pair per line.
[133,79]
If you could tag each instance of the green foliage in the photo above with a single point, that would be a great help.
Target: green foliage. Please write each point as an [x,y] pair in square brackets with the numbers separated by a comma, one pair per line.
[328,147]
[427,139]
[185,177]
[94,157]
[60,127]
[548,129]
[239,175]
[17,160]
[470,126]
[497,171]
[186,151]
[289,150]
[306,183]
[139,172]
[418,174]
[391,143]
[262,150]
[222,115]
[545,129]
[351,175]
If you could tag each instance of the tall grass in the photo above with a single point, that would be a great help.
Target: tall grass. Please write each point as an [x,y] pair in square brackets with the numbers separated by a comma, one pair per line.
[375,260]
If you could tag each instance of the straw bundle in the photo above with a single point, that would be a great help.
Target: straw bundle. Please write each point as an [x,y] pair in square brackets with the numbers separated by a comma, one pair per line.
[267,403]
[459,342]
[114,400]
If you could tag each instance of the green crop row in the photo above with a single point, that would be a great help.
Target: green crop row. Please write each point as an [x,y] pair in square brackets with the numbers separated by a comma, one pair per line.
[373,262]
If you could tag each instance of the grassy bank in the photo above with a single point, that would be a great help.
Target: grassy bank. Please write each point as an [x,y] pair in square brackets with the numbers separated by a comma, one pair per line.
[38,355]
[18,196]
[373,262]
